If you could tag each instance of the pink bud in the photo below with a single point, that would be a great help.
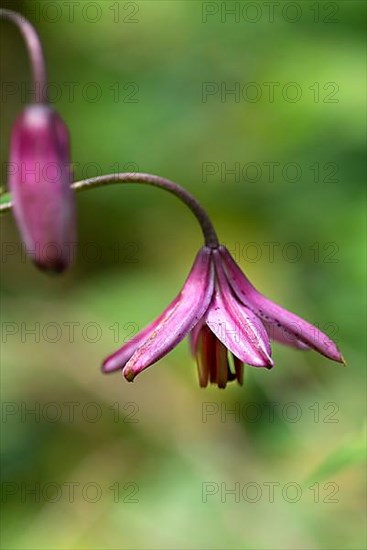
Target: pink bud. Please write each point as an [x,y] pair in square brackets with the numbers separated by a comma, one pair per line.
[39,181]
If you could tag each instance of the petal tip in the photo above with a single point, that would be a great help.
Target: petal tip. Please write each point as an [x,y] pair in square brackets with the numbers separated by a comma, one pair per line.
[335,355]
[109,365]
[268,362]
[129,374]
[104,368]
[51,268]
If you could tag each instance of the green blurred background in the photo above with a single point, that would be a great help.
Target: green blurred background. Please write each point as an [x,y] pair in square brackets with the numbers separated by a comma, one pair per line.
[141,455]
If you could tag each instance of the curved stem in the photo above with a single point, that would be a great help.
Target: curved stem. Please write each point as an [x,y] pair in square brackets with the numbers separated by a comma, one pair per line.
[208,230]
[34,47]
[206,225]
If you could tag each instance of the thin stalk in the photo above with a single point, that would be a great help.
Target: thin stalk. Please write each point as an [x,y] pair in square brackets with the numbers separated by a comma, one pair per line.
[35,52]
[209,233]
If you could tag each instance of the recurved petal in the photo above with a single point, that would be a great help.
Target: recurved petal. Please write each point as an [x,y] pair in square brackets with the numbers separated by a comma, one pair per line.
[273,314]
[283,336]
[120,357]
[179,318]
[235,325]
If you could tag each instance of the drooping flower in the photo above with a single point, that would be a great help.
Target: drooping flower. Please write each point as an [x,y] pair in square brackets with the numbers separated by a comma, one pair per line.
[229,322]
[39,181]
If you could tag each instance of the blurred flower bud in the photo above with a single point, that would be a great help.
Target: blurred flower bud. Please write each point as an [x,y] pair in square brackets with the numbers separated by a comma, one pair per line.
[39,181]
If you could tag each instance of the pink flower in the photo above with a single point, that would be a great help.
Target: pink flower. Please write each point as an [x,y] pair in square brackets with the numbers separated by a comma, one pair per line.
[229,323]
[39,180]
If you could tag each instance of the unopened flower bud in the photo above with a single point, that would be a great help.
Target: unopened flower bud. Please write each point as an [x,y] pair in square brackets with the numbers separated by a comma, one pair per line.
[39,181]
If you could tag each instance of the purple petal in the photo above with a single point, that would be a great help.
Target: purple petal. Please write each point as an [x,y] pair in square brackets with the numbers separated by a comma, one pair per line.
[235,325]
[275,315]
[179,318]
[39,181]
[283,336]
[119,358]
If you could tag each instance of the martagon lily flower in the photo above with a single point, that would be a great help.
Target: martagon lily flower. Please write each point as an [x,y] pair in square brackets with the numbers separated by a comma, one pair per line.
[229,322]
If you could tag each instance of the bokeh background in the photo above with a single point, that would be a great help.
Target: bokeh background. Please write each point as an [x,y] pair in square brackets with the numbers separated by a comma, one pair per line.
[151,464]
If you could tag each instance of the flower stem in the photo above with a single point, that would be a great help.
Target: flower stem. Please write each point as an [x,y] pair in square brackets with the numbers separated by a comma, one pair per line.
[34,47]
[208,230]
[210,236]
